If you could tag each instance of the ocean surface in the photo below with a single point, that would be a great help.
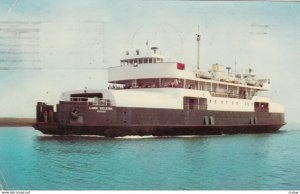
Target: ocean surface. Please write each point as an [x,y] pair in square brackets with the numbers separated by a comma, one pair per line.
[32,161]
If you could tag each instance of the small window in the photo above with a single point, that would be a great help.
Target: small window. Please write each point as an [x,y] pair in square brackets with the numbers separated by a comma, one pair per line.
[145,60]
[150,60]
[154,60]
[140,61]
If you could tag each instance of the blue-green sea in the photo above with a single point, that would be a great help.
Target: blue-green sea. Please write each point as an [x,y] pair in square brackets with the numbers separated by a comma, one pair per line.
[32,161]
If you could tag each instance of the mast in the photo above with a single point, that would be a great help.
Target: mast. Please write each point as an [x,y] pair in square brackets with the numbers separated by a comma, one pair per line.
[198,49]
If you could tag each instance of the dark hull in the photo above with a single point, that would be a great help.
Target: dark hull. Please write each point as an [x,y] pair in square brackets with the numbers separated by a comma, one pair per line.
[122,121]
[115,131]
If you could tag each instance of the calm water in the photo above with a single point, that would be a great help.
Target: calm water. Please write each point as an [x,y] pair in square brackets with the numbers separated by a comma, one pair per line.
[31,161]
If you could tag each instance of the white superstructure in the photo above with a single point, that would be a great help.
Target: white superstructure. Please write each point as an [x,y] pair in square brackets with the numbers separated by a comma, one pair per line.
[148,81]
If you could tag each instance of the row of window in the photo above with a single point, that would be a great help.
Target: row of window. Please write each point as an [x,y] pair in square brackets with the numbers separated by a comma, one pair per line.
[232,102]
[141,60]
[231,91]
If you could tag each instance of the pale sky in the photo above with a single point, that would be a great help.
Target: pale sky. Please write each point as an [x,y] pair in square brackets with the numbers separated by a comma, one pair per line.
[76,40]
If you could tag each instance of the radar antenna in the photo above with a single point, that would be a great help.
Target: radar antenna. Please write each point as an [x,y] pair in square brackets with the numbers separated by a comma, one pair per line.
[154,49]
[228,71]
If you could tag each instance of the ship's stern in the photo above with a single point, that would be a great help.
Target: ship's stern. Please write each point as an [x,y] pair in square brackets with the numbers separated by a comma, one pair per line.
[46,119]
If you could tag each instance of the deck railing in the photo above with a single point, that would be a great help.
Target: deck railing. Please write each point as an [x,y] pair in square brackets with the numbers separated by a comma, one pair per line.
[212,93]
[94,101]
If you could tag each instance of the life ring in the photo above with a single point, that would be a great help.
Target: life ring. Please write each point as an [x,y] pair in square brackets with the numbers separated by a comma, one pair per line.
[74,113]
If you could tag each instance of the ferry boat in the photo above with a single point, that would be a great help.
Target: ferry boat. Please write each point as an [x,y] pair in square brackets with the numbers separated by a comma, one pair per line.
[148,95]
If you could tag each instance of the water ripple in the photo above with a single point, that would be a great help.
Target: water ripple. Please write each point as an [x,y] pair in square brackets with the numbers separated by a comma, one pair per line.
[260,161]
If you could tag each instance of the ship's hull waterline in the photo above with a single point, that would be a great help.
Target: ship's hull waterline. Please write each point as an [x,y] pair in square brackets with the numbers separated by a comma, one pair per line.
[119,131]
[123,121]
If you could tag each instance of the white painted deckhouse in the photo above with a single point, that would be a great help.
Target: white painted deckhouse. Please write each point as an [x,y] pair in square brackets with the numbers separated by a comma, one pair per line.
[149,81]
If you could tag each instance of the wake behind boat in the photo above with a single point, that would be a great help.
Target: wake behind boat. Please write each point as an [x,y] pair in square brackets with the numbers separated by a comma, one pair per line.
[150,96]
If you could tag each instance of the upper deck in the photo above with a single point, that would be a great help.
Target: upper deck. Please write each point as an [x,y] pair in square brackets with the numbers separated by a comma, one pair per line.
[152,71]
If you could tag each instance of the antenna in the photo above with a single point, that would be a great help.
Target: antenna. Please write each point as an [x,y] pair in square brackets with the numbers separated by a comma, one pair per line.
[198,49]
[235,68]
[147,44]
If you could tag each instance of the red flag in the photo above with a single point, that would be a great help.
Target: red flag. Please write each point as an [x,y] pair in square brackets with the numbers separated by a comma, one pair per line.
[180,66]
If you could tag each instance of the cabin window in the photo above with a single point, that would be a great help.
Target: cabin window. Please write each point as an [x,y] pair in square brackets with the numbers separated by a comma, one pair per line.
[242,93]
[222,89]
[122,63]
[202,86]
[172,82]
[232,91]
[192,103]
[148,83]
[85,96]
[214,87]
[261,107]
[191,84]
[127,84]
